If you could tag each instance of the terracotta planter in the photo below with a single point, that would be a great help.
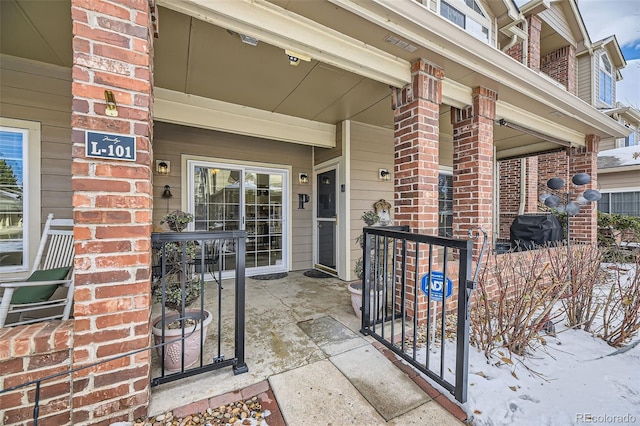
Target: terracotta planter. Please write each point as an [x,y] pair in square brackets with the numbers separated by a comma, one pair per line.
[355,288]
[173,351]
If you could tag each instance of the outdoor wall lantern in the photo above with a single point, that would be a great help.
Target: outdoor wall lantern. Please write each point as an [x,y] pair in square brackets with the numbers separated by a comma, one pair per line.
[384,175]
[571,208]
[163,167]
[303,178]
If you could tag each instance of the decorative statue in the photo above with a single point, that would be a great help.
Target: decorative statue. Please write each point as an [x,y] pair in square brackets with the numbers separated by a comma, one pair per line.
[383,210]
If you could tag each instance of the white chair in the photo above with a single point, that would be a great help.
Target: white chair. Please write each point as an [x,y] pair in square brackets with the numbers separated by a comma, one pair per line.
[53,267]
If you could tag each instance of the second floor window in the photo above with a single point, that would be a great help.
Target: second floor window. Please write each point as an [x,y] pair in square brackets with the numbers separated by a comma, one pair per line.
[473,19]
[606,81]
[631,140]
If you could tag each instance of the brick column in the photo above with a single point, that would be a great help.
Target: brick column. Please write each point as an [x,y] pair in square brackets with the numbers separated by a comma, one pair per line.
[473,164]
[416,135]
[561,66]
[531,204]
[112,205]
[533,50]
[584,226]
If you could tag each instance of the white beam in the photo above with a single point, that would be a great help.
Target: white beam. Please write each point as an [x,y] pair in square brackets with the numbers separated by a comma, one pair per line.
[281,28]
[190,110]
[524,118]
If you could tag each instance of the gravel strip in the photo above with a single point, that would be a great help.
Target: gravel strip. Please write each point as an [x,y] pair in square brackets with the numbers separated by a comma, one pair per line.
[239,413]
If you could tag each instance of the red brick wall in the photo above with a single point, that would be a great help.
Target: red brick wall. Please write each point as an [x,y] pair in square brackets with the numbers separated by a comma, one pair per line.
[112,49]
[554,164]
[509,194]
[29,353]
[416,134]
[515,52]
[561,66]
[510,182]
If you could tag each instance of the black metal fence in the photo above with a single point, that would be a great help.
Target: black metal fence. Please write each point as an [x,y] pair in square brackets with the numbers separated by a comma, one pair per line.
[187,268]
[413,311]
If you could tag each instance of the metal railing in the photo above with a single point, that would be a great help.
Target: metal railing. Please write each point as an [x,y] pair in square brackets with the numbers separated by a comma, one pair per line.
[409,312]
[186,267]
[197,254]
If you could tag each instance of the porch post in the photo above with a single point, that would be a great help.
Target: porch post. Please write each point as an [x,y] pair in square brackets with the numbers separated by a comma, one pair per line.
[473,164]
[584,226]
[416,134]
[112,205]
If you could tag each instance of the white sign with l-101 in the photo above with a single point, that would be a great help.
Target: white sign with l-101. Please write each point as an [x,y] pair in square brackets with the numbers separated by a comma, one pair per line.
[110,145]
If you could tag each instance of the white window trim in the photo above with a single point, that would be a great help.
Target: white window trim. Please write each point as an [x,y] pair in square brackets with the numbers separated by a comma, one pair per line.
[32,191]
[189,161]
[602,69]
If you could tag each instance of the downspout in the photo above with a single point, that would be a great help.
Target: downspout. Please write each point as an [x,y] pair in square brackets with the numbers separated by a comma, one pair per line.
[509,45]
[523,185]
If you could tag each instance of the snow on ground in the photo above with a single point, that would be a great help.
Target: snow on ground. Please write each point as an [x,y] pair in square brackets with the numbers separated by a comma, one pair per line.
[573,379]
[576,381]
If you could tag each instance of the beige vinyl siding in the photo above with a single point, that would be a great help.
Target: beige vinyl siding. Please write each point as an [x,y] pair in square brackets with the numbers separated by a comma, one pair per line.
[627,180]
[371,149]
[41,92]
[556,19]
[171,141]
[584,70]
[607,144]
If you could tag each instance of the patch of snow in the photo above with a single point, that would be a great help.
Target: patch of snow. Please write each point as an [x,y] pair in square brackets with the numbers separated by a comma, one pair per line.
[573,378]
[624,156]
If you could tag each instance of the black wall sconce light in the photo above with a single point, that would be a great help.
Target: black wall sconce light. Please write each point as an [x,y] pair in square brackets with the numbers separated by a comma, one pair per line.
[167,192]
[303,178]
[302,199]
[384,174]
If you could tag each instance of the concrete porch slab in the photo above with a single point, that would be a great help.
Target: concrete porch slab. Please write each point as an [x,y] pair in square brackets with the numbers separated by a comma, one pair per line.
[381,383]
[331,336]
[319,394]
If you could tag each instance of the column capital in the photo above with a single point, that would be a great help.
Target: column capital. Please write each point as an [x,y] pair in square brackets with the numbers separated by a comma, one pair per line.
[426,84]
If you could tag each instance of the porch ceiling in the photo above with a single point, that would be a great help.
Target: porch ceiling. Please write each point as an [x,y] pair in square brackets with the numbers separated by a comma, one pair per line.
[195,57]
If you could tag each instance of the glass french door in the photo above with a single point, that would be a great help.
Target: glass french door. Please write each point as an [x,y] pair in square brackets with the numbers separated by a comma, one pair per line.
[230,197]
[326,221]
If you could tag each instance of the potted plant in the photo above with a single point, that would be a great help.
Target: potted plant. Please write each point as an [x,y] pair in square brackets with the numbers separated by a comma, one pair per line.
[355,287]
[176,271]
[177,220]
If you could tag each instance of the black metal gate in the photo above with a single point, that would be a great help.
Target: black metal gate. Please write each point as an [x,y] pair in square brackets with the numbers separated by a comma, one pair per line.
[409,312]
[187,268]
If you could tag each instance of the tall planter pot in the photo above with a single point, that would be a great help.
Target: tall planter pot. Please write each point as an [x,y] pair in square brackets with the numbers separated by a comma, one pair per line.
[355,289]
[192,343]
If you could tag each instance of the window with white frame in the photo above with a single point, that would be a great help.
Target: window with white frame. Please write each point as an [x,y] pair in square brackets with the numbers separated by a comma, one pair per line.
[632,139]
[627,203]
[19,192]
[469,15]
[606,80]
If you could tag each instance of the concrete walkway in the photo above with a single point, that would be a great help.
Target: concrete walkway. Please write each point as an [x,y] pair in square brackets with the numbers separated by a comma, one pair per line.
[304,348]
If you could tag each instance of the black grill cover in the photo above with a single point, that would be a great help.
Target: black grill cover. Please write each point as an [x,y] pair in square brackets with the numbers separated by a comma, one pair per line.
[529,231]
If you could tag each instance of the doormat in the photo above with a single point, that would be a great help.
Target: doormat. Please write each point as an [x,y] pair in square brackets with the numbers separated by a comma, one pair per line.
[270,276]
[314,273]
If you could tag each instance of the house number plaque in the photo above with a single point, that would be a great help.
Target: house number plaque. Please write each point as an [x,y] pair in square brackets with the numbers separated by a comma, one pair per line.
[110,145]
